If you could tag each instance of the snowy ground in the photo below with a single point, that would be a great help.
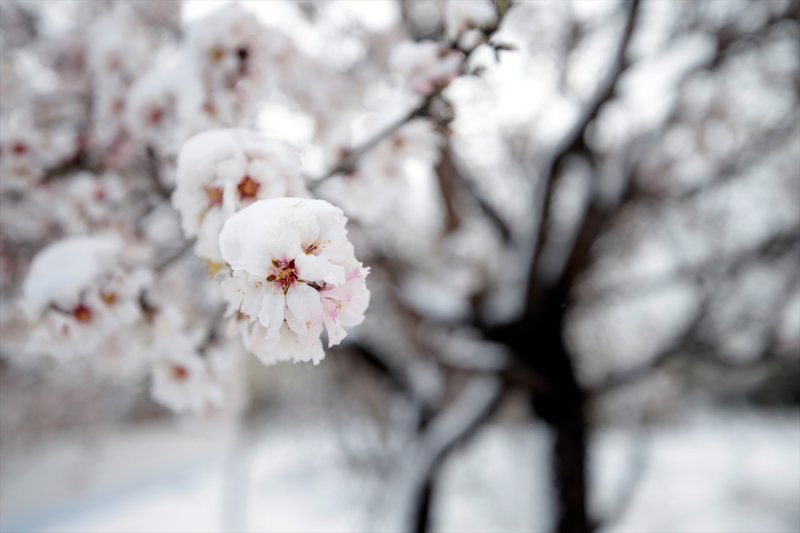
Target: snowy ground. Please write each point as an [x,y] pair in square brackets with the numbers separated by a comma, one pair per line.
[732,472]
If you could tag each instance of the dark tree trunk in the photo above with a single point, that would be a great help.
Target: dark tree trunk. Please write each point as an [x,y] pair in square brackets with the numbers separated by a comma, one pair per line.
[423,507]
[560,403]
[569,464]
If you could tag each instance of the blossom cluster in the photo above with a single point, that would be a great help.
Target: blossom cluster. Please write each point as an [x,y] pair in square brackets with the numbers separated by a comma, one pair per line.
[78,298]
[286,265]
[83,302]
[293,272]
[129,135]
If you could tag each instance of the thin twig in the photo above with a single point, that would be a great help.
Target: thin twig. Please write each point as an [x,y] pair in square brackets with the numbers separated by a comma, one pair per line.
[348,162]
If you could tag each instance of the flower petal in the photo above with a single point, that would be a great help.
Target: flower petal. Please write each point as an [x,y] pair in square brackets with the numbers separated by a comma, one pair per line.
[317,268]
[304,302]
[272,310]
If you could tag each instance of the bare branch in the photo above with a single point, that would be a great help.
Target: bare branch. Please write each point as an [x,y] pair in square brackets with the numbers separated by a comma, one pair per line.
[154,173]
[348,162]
[179,252]
[777,245]
[573,143]
[445,432]
[691,344]
[395,377]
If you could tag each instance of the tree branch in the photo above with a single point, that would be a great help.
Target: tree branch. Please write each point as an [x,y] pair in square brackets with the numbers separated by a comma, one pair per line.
[573,143]
[445,432]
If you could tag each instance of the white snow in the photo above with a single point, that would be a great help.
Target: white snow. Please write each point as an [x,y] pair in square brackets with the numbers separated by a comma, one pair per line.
[718,471]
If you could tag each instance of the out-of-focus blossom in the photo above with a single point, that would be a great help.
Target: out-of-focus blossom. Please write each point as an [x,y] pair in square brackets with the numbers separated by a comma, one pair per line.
[287,256]
[379,182]
[20,160]
[152,111]
[77,294]
[181,378]
[232,53]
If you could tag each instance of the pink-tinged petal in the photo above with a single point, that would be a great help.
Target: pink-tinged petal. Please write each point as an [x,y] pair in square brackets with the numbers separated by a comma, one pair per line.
[304,302]
[335,330]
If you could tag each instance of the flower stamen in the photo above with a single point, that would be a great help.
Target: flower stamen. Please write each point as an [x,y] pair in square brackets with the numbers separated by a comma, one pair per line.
[248,188]
[82,314]
[284,275]
[214,195]
[180,373]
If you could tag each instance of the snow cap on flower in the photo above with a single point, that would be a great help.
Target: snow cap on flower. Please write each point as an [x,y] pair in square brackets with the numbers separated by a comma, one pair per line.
[288,257]
[65,269]
[221,171]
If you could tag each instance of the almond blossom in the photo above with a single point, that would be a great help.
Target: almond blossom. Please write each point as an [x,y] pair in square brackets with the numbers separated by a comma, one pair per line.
[77,295]
[221,171]
[182,381]
[293,272]
[182,378]
[232,54]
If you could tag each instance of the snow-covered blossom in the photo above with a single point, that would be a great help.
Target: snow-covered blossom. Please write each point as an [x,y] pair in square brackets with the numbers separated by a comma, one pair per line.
[77,294]
[293,272]
[463,15]
[152,110]
[232,53]
[221,171]
[426,66]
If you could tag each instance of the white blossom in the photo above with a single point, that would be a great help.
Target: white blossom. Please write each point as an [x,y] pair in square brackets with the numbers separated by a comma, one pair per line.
[287,256]
[77,295]
[152,109]
[232,53]
[221,171]
[20,161]
[181,378]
